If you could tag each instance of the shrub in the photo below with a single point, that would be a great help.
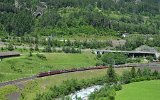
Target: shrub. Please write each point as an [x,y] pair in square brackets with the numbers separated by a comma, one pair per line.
[48,48]
[41,56]
[10,47]
[113,58]
[126,77]
[111,75]
[71,50]
[135,60]
[68,87]
[118,87]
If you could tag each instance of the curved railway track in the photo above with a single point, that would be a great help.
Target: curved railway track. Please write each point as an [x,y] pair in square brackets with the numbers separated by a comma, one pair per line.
[17,81]
[55,72]
[49,73]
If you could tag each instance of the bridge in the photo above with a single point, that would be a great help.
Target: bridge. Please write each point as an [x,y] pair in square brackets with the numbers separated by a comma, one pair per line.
[129,53]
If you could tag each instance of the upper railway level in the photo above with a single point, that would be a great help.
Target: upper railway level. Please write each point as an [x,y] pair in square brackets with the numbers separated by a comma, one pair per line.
[130,53]
[143,51]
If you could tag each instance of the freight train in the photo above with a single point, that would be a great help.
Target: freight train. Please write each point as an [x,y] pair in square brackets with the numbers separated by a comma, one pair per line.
[54,72]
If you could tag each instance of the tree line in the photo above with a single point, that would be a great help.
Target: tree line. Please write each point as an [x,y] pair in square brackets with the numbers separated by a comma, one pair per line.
[79,17]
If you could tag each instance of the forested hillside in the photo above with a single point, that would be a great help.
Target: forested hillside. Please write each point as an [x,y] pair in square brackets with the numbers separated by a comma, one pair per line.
[68,17]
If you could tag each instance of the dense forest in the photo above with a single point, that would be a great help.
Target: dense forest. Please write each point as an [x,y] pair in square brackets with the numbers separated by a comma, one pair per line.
[68,17]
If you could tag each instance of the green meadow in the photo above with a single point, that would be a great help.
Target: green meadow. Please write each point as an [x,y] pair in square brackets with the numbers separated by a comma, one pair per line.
[12,68]
[41,85]
[145,90]
[31,88]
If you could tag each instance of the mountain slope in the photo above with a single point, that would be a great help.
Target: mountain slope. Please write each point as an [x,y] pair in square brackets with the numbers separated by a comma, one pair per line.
[68,17]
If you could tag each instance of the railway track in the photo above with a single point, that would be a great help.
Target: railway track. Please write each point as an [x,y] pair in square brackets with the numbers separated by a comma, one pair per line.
[153,64]
[55,72]
[49,73]
[17,81]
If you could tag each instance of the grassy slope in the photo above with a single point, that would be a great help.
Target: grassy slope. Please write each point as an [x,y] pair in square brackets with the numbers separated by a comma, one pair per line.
[34,65]
[31,88]
[6,90]
[43,84]
[146,90]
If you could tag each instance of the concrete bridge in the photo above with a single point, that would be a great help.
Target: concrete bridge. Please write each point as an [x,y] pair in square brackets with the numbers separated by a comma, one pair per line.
[129,53]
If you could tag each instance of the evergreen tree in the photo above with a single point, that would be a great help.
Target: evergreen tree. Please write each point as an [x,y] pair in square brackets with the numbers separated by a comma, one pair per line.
[48,48]
[147,72]
[155,73]
[126,77]
[36,47]
[139,72]
[10,47]
[2,48]
[30,51]
[133,72]
[111,75]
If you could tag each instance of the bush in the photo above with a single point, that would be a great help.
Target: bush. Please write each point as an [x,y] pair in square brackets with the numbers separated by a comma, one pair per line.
[135,60]
[36,47]
[155,73]
[98,56]
[113,58]
[30,53]
[99,64]
[138,79]
[2,48]
[118,87]
[48,48]
[111,75]
[71,50]
[10,47]
[126,77]
[146,72]
[41,56]
[107,92]
[68,87]
[149,58]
